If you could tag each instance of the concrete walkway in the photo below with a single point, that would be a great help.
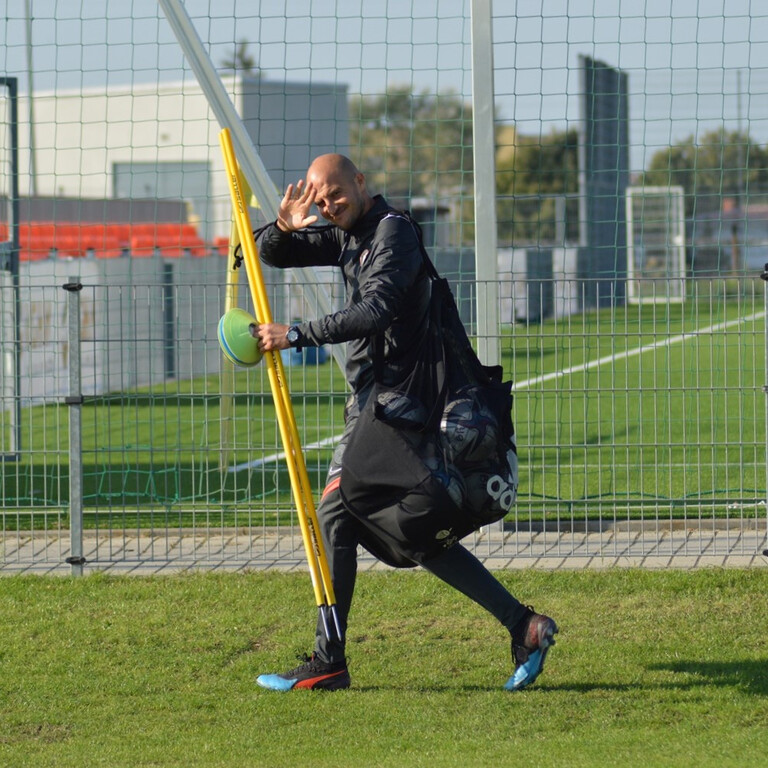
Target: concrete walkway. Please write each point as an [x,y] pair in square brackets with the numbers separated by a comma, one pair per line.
[723,545]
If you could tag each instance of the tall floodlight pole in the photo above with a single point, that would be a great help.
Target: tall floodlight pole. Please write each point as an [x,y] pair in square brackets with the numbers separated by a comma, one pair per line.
[483,152]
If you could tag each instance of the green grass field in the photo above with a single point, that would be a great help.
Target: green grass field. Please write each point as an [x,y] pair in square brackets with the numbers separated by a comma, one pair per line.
[600,424]
[666,668]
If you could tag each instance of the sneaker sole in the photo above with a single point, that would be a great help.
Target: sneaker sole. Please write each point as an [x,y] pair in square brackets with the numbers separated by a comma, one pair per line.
[334,682]
[527,673]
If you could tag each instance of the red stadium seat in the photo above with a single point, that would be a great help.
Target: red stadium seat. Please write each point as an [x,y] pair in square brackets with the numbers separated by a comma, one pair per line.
[67,243]
[121,231]
[176,240]
[106,240]
[35,248]
[109,248]
[144,229]
[221,245]
[142,246]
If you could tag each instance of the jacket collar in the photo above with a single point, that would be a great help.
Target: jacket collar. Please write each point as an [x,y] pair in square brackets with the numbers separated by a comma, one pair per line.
[368,222]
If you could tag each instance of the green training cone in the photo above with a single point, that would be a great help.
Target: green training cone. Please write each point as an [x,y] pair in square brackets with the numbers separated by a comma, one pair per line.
[235,338]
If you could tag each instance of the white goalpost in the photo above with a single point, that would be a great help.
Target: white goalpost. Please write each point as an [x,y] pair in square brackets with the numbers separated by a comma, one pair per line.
[655,244]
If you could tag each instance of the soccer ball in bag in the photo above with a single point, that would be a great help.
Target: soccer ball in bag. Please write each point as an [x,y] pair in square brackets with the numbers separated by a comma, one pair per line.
[448,475]
[469,432]
[394,406]
[491,491]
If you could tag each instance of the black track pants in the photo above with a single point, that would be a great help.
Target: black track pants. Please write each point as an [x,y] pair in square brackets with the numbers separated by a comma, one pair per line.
[457,567]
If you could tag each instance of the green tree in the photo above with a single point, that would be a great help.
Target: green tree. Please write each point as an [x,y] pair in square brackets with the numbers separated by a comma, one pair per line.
[413,144]
[722,165]
[242,62]
[532,172]
[420,145]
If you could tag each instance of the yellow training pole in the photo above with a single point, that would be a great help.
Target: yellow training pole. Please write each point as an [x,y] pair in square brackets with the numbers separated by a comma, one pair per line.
[318,563]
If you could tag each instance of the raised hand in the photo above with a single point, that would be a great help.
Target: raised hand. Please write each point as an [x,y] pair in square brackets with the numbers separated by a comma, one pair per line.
[295,206]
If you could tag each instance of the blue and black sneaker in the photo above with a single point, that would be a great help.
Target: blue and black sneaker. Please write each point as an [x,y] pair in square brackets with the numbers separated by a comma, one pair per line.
[312,674]
[530,650]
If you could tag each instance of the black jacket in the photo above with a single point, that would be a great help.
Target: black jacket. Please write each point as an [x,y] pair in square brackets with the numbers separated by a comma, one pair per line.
[387,288]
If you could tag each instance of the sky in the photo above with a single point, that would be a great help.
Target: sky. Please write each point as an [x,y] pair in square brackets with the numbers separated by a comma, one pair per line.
[693,65]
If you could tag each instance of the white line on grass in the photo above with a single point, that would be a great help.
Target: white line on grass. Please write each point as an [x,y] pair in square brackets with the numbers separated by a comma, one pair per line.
[633,352]
[541,379]
[277,456]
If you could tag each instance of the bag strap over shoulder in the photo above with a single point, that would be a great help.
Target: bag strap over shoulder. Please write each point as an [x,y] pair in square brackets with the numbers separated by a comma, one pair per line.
[428,265]
[452,328]
[378,340]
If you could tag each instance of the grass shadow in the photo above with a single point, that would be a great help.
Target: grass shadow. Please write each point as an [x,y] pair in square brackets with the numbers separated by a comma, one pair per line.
[432,689]
[750,676]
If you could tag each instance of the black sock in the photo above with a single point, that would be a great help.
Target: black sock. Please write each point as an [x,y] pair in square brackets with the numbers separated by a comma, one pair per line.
[518,631]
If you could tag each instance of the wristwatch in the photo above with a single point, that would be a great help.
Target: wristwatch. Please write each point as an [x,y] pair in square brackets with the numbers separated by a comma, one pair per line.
[293,336]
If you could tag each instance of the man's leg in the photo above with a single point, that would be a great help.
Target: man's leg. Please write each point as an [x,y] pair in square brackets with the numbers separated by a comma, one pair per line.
[326,668]
[532,633]
[339,531]
[459,568]
[340,537]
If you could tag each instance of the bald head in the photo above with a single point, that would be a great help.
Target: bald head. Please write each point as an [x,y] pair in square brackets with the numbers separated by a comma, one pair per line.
[341,194]
[332,165]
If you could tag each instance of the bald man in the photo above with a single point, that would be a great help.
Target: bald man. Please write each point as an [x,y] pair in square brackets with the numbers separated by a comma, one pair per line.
[387,294]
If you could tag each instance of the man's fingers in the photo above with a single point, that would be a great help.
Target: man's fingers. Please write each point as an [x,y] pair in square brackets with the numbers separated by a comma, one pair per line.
[261,333]
[270,335]
[295,205]
[309,194]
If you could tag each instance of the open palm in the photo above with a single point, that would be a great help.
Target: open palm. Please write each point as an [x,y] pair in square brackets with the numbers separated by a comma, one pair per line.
[294,212]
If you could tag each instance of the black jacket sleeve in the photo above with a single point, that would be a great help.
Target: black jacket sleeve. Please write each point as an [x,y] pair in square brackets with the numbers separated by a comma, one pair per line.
[380,287]
[312,247]
[387,288]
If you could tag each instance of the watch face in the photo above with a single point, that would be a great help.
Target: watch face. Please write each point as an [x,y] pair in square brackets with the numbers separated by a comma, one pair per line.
[292,335]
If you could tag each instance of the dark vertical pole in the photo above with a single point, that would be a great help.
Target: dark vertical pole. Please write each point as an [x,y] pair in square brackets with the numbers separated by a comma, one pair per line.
[169,312]
[75,402]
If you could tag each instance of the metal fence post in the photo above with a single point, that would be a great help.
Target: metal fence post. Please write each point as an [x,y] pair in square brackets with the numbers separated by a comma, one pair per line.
[764,276]
[75,401]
